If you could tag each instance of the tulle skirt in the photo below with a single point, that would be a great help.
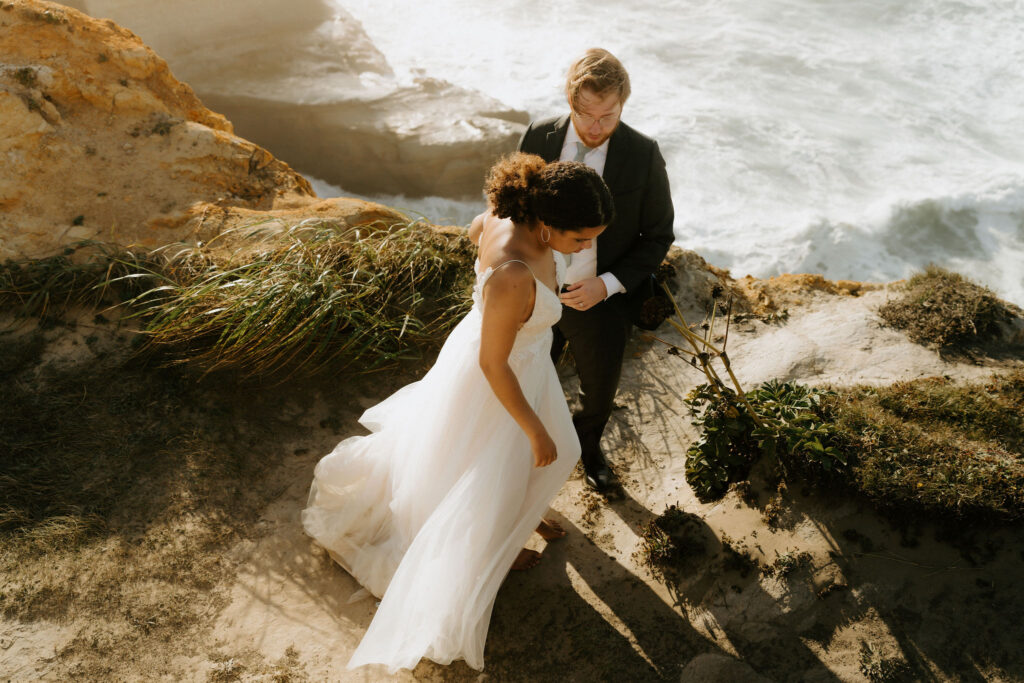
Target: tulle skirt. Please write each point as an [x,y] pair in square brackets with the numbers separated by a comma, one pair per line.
[429,511]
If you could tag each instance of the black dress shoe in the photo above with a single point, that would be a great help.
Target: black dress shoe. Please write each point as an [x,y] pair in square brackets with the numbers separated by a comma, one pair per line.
[597,473]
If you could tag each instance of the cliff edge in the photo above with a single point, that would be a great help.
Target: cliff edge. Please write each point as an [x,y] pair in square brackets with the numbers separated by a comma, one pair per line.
[150,516]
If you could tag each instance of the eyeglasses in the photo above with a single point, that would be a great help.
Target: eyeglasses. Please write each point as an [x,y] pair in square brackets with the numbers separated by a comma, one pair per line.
[606,121]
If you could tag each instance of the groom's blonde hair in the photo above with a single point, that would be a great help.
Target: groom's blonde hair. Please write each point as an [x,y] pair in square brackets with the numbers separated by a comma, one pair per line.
[600,71]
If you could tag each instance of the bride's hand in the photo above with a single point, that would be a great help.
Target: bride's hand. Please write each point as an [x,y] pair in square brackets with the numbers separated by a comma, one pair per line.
[544,451]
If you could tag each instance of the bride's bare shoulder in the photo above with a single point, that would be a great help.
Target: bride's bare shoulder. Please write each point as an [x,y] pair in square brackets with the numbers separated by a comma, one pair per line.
[497,242]
[487,226]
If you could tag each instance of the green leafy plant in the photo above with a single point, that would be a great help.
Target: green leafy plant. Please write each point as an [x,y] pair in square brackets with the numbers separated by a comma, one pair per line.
[795,428]
[791,427]
[726,447]
[736,427]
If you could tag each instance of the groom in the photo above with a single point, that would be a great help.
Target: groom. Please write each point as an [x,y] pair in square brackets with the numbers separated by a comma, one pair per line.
[609,281]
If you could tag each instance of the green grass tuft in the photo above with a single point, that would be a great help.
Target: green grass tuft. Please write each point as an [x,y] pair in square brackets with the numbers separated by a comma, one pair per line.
[84,273]
[310,296]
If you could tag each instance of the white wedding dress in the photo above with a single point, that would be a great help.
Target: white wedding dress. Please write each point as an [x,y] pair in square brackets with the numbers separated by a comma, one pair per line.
[429,511]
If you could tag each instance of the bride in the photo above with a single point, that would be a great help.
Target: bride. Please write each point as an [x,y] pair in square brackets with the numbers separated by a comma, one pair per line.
[432,508]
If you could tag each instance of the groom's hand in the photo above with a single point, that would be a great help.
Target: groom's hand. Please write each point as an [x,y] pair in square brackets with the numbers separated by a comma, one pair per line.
[584,294]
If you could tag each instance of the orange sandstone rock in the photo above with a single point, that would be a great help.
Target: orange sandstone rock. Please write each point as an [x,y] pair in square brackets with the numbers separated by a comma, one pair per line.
[98,140]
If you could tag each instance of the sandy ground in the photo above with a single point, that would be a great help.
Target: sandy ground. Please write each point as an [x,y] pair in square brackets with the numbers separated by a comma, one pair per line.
[875,596]
[873,592]
[589,612]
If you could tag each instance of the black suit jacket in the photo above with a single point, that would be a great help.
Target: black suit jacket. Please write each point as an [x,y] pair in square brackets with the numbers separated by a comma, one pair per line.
[636,241]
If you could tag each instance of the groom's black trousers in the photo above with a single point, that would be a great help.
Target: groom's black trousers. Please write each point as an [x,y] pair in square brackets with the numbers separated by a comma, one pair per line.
[597,340]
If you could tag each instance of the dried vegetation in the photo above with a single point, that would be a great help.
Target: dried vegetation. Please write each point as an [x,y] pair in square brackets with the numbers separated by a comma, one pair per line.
[945,310]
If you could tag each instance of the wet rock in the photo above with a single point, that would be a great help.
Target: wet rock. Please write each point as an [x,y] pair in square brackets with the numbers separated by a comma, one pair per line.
[303,79]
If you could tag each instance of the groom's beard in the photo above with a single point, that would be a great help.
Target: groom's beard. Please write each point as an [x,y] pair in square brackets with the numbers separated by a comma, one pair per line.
[593,142]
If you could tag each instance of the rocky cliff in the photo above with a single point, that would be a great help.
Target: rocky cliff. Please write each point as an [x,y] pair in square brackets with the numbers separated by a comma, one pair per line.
[100,141]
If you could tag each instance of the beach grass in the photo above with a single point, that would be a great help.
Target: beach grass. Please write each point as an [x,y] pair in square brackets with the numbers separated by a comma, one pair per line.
[264,299]
[87,273]
[309,297]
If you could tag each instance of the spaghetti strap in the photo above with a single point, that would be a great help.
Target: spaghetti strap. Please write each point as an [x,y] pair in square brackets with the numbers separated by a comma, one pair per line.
[515,260]
[486,275]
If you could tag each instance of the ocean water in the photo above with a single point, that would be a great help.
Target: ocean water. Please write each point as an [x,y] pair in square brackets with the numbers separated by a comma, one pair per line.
[861,139]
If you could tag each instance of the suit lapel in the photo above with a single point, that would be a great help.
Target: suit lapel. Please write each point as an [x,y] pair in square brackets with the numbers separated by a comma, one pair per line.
[616,159]
[555,139]
[614,173]
[609,242]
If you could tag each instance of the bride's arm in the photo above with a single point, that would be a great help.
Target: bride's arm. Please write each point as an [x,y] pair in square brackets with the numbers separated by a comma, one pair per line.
[507,303]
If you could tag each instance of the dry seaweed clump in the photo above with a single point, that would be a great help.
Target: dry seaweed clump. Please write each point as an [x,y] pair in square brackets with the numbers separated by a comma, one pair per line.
[943,309]
[670,539]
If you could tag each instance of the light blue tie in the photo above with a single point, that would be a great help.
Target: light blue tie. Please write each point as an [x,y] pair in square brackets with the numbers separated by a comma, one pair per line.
[581,151]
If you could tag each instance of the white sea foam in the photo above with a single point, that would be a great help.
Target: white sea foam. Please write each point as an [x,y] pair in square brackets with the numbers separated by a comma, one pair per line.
[862,140]
[858,139]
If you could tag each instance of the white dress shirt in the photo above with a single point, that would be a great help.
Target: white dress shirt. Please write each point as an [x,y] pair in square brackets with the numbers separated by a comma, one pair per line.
[583,265]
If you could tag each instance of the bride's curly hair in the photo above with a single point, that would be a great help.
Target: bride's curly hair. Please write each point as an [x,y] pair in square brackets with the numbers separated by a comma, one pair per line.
[566,195]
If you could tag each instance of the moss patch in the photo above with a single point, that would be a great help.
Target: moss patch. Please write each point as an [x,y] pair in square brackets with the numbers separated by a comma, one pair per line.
[936,447]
